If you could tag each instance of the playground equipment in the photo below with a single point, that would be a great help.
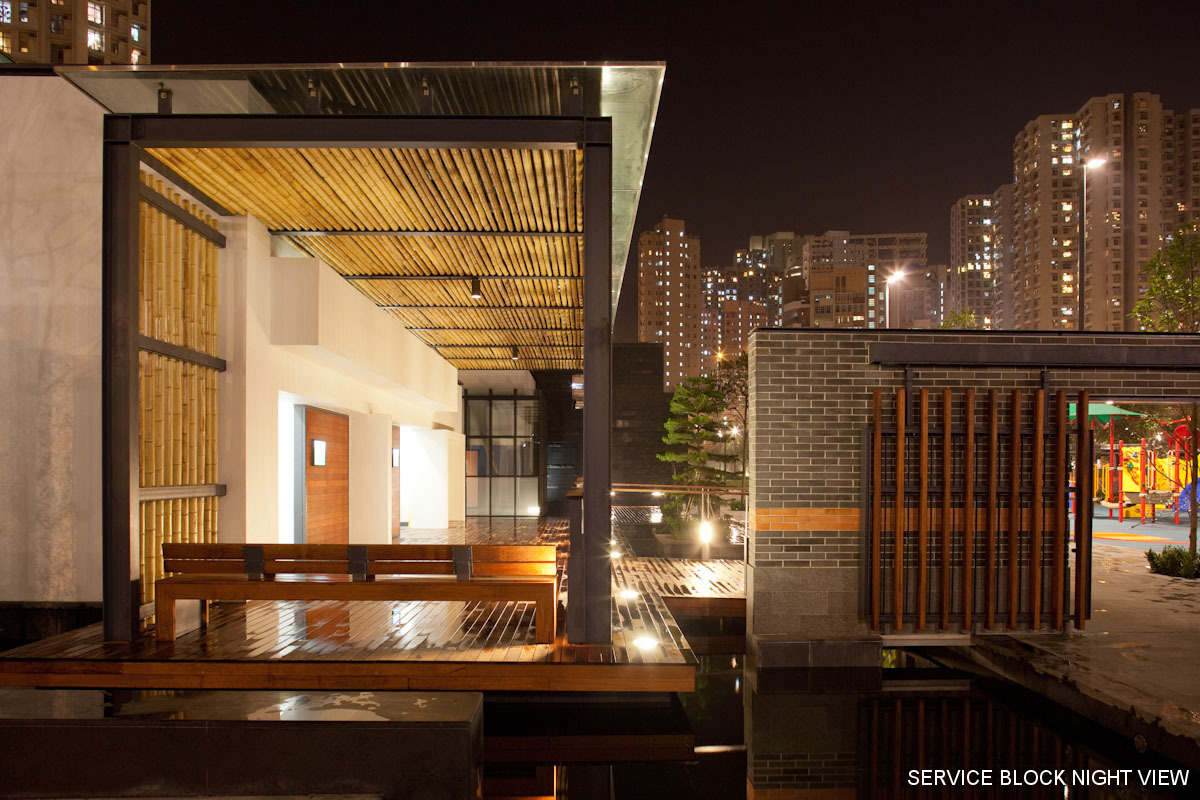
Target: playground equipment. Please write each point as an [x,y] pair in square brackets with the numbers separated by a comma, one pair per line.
[1141,480]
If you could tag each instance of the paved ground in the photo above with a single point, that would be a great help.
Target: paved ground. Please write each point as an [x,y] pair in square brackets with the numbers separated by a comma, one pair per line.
[1140,652]
[1133,533]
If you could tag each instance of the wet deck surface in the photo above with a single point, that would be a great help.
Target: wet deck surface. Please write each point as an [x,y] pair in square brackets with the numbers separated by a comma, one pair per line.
[410,645]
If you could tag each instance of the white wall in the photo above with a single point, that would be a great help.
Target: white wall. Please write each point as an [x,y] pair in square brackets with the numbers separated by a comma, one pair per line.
[50,247]
[427,459]
[370,479]
[292,326]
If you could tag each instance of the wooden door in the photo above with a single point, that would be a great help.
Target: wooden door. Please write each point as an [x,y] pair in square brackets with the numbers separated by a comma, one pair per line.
[327,487]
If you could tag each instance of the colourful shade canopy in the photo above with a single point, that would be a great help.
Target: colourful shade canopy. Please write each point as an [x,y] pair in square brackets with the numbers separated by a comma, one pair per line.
[1104,411]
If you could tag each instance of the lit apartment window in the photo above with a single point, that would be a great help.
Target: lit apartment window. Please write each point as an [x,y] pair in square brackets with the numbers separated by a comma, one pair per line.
[95,40]
[95,14]
[135,32]
[24,12]
[135,56]
[58,23]
[6,15]
[6,41]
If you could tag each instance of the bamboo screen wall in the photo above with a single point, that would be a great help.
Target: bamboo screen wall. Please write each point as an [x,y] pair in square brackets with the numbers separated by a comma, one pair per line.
[416,225]
[976,502]
[178,399]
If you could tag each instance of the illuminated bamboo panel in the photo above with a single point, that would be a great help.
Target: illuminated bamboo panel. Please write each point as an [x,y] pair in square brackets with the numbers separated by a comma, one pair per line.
[178,293]
[177,275]
[169,521]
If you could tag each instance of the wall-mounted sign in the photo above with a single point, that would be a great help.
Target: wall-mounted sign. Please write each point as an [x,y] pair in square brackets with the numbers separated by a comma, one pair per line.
[395,456]
[318,452]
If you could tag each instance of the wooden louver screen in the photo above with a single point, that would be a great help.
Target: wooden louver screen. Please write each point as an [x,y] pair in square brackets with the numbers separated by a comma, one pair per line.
[968,521]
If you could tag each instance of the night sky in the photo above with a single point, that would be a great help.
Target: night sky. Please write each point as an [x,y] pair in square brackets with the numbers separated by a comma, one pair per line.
[795,117]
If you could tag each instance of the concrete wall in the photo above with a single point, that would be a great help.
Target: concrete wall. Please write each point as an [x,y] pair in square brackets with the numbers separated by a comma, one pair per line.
[50,171]
[810,396]
[291,327]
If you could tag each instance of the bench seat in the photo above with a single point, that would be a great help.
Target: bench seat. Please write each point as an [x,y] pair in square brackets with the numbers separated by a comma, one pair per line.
[226,584]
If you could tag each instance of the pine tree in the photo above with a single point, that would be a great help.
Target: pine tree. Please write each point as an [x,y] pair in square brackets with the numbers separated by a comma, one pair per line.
[694,437]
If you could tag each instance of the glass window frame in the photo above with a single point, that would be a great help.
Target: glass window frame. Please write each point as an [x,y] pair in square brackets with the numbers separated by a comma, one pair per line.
[508,482]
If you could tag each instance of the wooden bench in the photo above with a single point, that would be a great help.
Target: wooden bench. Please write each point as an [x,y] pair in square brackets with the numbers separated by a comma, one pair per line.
[209,572]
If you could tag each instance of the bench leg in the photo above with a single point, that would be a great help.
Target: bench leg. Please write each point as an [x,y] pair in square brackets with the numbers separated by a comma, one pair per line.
[164,615]
[545,619]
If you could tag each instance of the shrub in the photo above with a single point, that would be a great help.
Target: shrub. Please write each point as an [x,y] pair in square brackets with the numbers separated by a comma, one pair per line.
[1175,561]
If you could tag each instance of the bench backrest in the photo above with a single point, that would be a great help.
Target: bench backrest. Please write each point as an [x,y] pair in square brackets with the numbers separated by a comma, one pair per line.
[359,560]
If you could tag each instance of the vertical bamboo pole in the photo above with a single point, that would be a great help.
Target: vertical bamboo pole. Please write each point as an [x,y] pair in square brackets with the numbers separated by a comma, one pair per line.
[922,507]
[1014,513]
[947,510]
[898,585]
[876,504]
[1060,507]
[1036,507]
[989,574]
[968,587]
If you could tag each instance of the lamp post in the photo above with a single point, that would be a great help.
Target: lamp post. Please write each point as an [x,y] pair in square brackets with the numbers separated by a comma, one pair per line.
[895,277]
[1092,163]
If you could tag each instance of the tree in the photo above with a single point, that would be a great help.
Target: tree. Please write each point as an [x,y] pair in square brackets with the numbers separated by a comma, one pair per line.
[964,320]
[1171,304]
[733,382]
[693,436]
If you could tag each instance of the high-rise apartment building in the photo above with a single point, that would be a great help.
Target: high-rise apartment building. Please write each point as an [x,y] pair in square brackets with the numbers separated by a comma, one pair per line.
[1182,184]
[670,297]
[1045,237]
[1122,142]
[738,319]
[1142,183]
[919,301]
[971,284]
[1003,226]
[845,274]
[76,31]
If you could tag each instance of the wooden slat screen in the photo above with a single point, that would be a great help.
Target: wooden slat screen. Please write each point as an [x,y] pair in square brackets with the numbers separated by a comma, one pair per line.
[976,508]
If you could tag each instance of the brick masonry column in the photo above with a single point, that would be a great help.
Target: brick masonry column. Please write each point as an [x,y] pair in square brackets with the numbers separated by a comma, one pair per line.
[809,396]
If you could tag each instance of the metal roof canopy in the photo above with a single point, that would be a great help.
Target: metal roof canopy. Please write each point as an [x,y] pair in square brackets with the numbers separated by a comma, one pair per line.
[453,169]
[378,169]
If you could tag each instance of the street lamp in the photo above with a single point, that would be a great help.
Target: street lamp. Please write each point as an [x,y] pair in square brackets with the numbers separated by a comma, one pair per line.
[895,277]
[1091,163]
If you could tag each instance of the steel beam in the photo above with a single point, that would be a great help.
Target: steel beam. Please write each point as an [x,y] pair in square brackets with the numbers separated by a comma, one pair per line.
[119,393]
[597,387]
[505,346]
[439,234]
[559,329]
[382,131]
[463,278]
[1114,356]
[181,353]
[486,307]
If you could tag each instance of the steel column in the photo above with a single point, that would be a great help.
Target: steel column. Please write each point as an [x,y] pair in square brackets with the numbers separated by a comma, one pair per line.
[597,383]
[119,393]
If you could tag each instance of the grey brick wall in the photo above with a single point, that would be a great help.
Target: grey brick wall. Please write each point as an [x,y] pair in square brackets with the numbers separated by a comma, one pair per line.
[810,398]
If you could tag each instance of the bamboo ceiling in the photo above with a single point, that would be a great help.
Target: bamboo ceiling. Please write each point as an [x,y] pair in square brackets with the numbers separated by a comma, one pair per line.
[434,219]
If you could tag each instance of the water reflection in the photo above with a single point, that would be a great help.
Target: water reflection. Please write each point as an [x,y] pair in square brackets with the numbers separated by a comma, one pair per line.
[831,734]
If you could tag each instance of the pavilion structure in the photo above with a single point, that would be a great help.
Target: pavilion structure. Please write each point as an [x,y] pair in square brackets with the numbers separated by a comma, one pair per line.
[488,208]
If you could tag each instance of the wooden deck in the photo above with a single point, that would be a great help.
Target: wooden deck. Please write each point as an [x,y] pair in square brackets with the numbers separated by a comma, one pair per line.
[686,587]
[410,645]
